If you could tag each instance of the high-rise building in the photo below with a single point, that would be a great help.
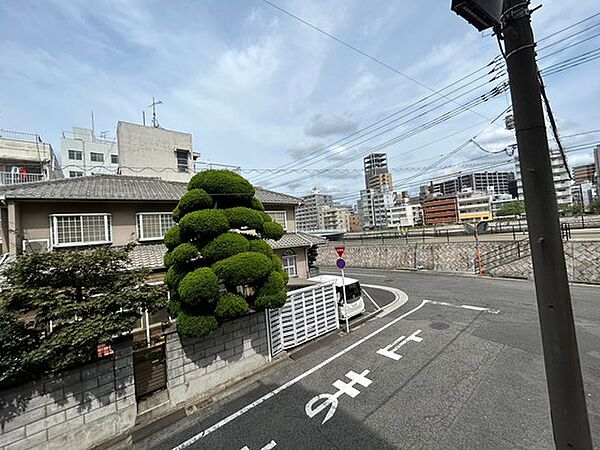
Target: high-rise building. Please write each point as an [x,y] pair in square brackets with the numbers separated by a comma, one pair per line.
[373,208]
[492,182]
[355,222]
[585,173]
[307,214]
[334,218]
[405,214]
[376,172]
[562,183]
[440,210]
[474,206]
[82,153]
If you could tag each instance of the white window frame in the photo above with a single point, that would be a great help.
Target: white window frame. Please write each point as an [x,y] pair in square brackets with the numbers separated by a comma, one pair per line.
[54,230]
[290,261]
[113,157]
[284,225]
[80,152]
[180,167]
[139,224]
[101,155]
[71,172]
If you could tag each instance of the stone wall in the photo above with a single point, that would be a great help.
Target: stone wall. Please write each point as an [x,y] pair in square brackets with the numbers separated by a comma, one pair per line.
[78,408]
[233,351]
[582,258]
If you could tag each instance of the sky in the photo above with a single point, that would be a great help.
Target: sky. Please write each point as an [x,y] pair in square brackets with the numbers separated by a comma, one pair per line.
[259,89]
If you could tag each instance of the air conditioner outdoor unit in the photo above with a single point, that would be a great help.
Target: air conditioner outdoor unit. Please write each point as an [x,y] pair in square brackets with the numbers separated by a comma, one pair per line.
[36,246]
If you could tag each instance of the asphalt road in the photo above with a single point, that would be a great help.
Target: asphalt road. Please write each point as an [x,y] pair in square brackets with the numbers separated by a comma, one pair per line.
[458,366]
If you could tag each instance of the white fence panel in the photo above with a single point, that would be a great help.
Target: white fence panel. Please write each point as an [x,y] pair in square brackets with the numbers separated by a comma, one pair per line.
[307,314]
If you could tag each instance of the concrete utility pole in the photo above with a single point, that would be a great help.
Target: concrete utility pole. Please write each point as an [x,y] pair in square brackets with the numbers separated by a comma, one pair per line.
[563,369]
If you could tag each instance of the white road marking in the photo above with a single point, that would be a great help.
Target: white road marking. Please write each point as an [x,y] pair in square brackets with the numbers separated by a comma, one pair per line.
[471,307]
[390,350]
[305,374]
[359,274]
[331,400]
[269,446]
[371,298]
[594,354]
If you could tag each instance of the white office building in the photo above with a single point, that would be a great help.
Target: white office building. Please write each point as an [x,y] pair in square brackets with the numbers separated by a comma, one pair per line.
[373,208]
[405,215]
[82,154]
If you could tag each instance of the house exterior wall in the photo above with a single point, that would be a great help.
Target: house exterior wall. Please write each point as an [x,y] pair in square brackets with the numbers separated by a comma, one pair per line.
[301,260]
[28,152]
[150,152]
[290,213]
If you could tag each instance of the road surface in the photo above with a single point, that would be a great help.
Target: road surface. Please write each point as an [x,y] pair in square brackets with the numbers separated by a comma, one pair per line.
[458,366]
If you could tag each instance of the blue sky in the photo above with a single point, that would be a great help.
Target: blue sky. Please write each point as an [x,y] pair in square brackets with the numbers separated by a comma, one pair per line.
[259,89]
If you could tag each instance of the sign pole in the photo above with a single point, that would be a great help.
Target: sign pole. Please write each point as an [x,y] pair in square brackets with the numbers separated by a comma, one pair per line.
[345,302]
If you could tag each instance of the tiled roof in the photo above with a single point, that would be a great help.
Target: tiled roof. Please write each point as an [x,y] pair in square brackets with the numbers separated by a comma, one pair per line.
[118,187]
[291,240]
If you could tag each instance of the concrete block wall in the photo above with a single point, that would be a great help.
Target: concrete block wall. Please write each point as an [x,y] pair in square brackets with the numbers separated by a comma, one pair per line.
[194,366]
[78,408]
[582,258]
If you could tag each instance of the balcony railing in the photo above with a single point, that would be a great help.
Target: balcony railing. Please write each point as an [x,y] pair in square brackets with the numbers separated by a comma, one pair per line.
[7,178]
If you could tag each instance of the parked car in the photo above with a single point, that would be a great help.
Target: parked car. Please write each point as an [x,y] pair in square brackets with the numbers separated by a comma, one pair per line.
[354,299]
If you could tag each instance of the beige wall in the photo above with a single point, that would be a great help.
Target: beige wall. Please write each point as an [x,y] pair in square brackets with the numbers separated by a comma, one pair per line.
[147,148]
[35,216]
[301,261]
[290,215]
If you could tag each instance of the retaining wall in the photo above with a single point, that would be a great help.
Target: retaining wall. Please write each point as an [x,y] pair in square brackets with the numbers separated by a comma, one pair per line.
[582,258]
[195,366]
[77,408]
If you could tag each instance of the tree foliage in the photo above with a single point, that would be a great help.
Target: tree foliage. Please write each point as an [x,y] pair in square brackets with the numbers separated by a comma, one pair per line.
[227,224]
[516,208]
[58,307]
[595,207]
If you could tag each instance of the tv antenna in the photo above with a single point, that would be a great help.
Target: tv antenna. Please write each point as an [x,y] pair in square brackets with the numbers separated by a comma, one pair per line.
[153,106]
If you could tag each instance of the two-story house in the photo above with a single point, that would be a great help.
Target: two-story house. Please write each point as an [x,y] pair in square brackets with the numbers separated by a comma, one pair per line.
[114,210]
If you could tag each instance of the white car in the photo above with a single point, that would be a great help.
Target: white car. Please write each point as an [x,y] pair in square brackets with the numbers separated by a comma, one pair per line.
[355,304]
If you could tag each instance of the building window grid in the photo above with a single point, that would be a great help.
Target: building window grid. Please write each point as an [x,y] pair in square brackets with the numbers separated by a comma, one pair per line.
[280,217]
[153,226]
[182,160]
[76,155]
[81,229]
[96,157]
[290,263]
[75,174]
[114,159]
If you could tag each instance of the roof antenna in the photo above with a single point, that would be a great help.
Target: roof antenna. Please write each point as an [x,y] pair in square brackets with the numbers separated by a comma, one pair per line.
[153,106]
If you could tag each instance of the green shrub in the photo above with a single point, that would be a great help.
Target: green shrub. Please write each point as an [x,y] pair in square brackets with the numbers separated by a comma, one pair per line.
[173,277]
[172,237]
[240,217]
[274,284]
[184,254]
[177,214]
[194,200]
[276,263]
[256,204]
[230,306]
[227,188]
[265,217]
[174,308]
[243,268]
[271,301]
[261,247]
[199,287]
[224,246]
[167,259]
[195,326]
[272,230]
[203,225]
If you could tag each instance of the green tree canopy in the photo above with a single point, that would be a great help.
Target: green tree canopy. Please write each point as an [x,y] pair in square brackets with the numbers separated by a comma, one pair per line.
[219,264]
[56,308]
[516,208]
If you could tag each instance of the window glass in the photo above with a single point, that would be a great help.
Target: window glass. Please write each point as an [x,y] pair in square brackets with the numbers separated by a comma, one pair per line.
[114,159]
[81,229]
[154,225]
[289,263]
[278,217]
[182,160]
[96,157]
[76,154]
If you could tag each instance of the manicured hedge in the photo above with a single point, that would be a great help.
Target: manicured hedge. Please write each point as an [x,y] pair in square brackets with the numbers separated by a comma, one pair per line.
[195,326]
[177,214]
[224,246]
[184,254]
[199,287]
[256,204]
[272,230]
[172,237]
[173,277]
[271,301]
[227,188]
[274,284]
[167,259]
[230,306]
[261,247]
[203,225]
[243,268]
[195,200]
[240,217]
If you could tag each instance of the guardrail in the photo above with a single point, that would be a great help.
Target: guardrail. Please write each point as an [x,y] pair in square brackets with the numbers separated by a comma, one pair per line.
[9,178]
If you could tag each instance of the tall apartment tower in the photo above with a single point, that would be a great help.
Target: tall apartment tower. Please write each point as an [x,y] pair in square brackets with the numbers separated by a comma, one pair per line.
[308,213]
[376,172]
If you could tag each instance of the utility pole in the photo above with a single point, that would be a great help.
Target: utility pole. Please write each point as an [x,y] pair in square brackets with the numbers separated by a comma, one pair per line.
[561,355]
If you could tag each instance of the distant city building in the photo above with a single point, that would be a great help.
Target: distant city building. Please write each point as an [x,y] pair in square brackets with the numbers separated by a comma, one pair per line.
[25,158]
[307,214]
[585,173]
[334,218]
[499,201]
[491,182]
[355,223]
[373,208]
[82,153]
[376,172]
[440,210]
[584,194]
[597,164]
[562,183]
[155,152]
[405,214]
[474,206]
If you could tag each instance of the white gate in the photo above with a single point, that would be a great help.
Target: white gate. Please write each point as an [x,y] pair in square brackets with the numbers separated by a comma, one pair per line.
[307,314]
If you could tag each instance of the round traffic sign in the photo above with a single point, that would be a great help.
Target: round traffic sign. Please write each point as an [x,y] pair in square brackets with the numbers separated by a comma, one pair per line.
[340,263]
